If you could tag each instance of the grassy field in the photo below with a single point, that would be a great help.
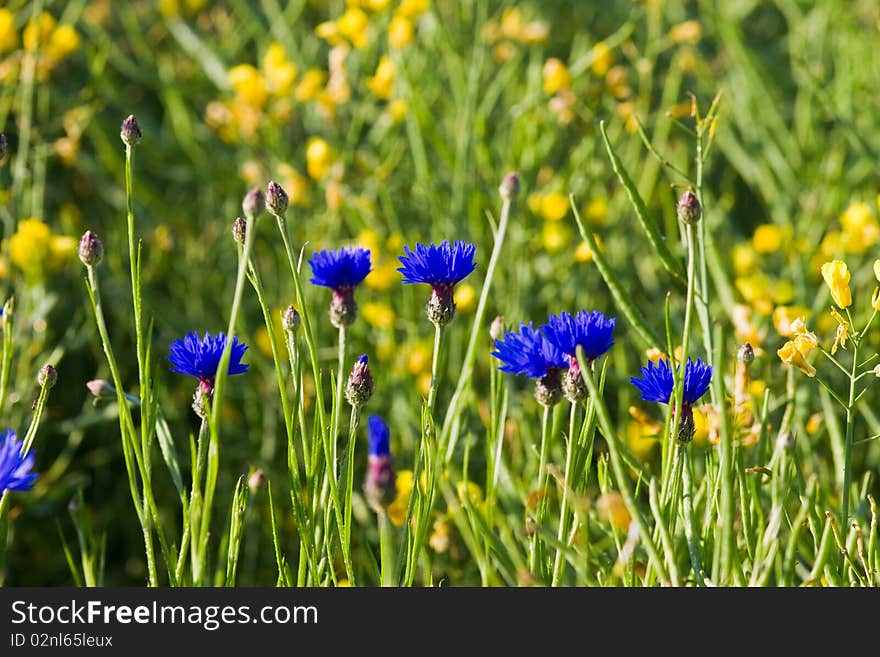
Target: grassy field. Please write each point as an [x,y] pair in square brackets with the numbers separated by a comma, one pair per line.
[704,173]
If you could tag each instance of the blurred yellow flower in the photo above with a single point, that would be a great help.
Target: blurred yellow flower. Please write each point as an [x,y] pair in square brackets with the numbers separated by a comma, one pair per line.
[556,236]
[554,206]
[38,30]
[583,253]
[767,239]
[654,355]
[612,510]
[785,316]
[319,158]
[251,172]
[744,259]
[63,41]
[353,26]
[34,249]
[875,299]
[744,328]
[397,110]
[309,85]
[439,540]
[837,277]
[642,434]
[686,32]
[67,149]
[465,298]
[397,509]
[381,84]
[424,384]
[556,76]
[877,269]
[755,289]
[294,183]
[400,32]
[278,72]
[860,228]
[378,315]
[384,275]
[596,212]
[791,355]
[412,9]
[783,292]
[8,35]
[248,85]
[603,59]
[419,359]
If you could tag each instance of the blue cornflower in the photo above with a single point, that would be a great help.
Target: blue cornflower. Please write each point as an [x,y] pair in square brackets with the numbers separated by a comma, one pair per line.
[15,467]
[592,331]
[441,266]
[528,352]
[341,270]
[201,358]
[656,382]
[344,268]
[444,264]
[380,484]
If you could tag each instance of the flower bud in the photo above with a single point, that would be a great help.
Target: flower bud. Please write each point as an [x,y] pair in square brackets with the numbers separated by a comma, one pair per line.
[746,354]
[689,209]
[276,199]
[131,131]
[343,307]
[496,328]
[573,385]
[48,376]
[201,398]
[380,484]
[290,320]
[548,389]
[254,203]
[509,186]
[100,388]
[239,230]
[441,305]
[359,388]
[91,249]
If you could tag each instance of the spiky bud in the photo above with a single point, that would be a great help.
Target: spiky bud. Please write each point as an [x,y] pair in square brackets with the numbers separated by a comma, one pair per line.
[131,131]
[91,249]
[746,354]
[573,384]
[441,305]
[343,307]
[688,209]
[253,203]
[496,328]
[290,319]
[509,187]
[548,389]
[359,388]
[239,230]
[48,376]
[276,199]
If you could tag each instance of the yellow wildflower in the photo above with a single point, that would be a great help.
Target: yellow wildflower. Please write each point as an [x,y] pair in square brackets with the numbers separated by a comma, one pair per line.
[603,59]
[554,206]
[8,35]
[755,289]
[745,260]
[686,32]
[63,41]
[309,85]
[783,292]
[397,509]
[875,299]
[837,278]
[785,316]
[419,360]
[804,340]
[612,509]
[353,26]
[384,275]
[790,355]
[397,110]
[424,384]
[278,72]
[400,32]
[757,388]
[412,9]
[655,355]
[596,212]
[767,239]
[295,184]
[248,85]
[814,422]
[329,31]
[37,31]
[378,315]
[744,328]
[381,84]
[860,228]
[439,540]
[465,298]
[556,76]
[842,331]
[319,158]
[556,236]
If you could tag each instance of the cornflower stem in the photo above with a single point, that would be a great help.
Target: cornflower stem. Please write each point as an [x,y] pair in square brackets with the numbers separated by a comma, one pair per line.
[541,482]
[435,369]
[349,487]
[447,438]
[559,562]
[848,440]
[687,500]
[26,445]
[220,387]
[340,387]
[8,335]
[333,458]
[196,499]
[386,550]
[702,301]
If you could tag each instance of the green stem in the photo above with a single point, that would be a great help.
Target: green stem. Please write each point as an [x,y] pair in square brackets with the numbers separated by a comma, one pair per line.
[349,487]
[386,550]
[688,509]
[558,563]
[435,369]
[542,478]
[848,442]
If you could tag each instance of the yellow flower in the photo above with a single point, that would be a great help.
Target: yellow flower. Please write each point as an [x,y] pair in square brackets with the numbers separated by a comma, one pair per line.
[397,110]
[309,85]
[465,298]
[295,184]
[38,31]
[842,331]
[63,41]
[837,278]
[877,269]
[642,434]
[554,206]
[804,340]
[784,317]
[755,289]
[603,59]
[381,84]
[8,35]
[319,158]
[384,275]
[556,76]
[767,239]
[279,73]
[791,355]
[439,540]
[686,32]
[248,85]
[329,31]
[597,211]
[745,261]
[353,26]
[378,315]
[556,236]
[861,230]
[400,32]
[612,509]
[424,384]
[34,249]
[67,149]
[583,253]
[251,172]
[875,299]
[419,360]
[397,509]
[783,292]
[413,9]
[655,355]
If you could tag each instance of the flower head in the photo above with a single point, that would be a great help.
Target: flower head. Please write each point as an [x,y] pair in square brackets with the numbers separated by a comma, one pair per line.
[379,436]
[528,352]
[592,331]
[359,387]
[380,485]
[343,268]
[201,358]
[15,467]
[837,277]
[444,264]
[657,382]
